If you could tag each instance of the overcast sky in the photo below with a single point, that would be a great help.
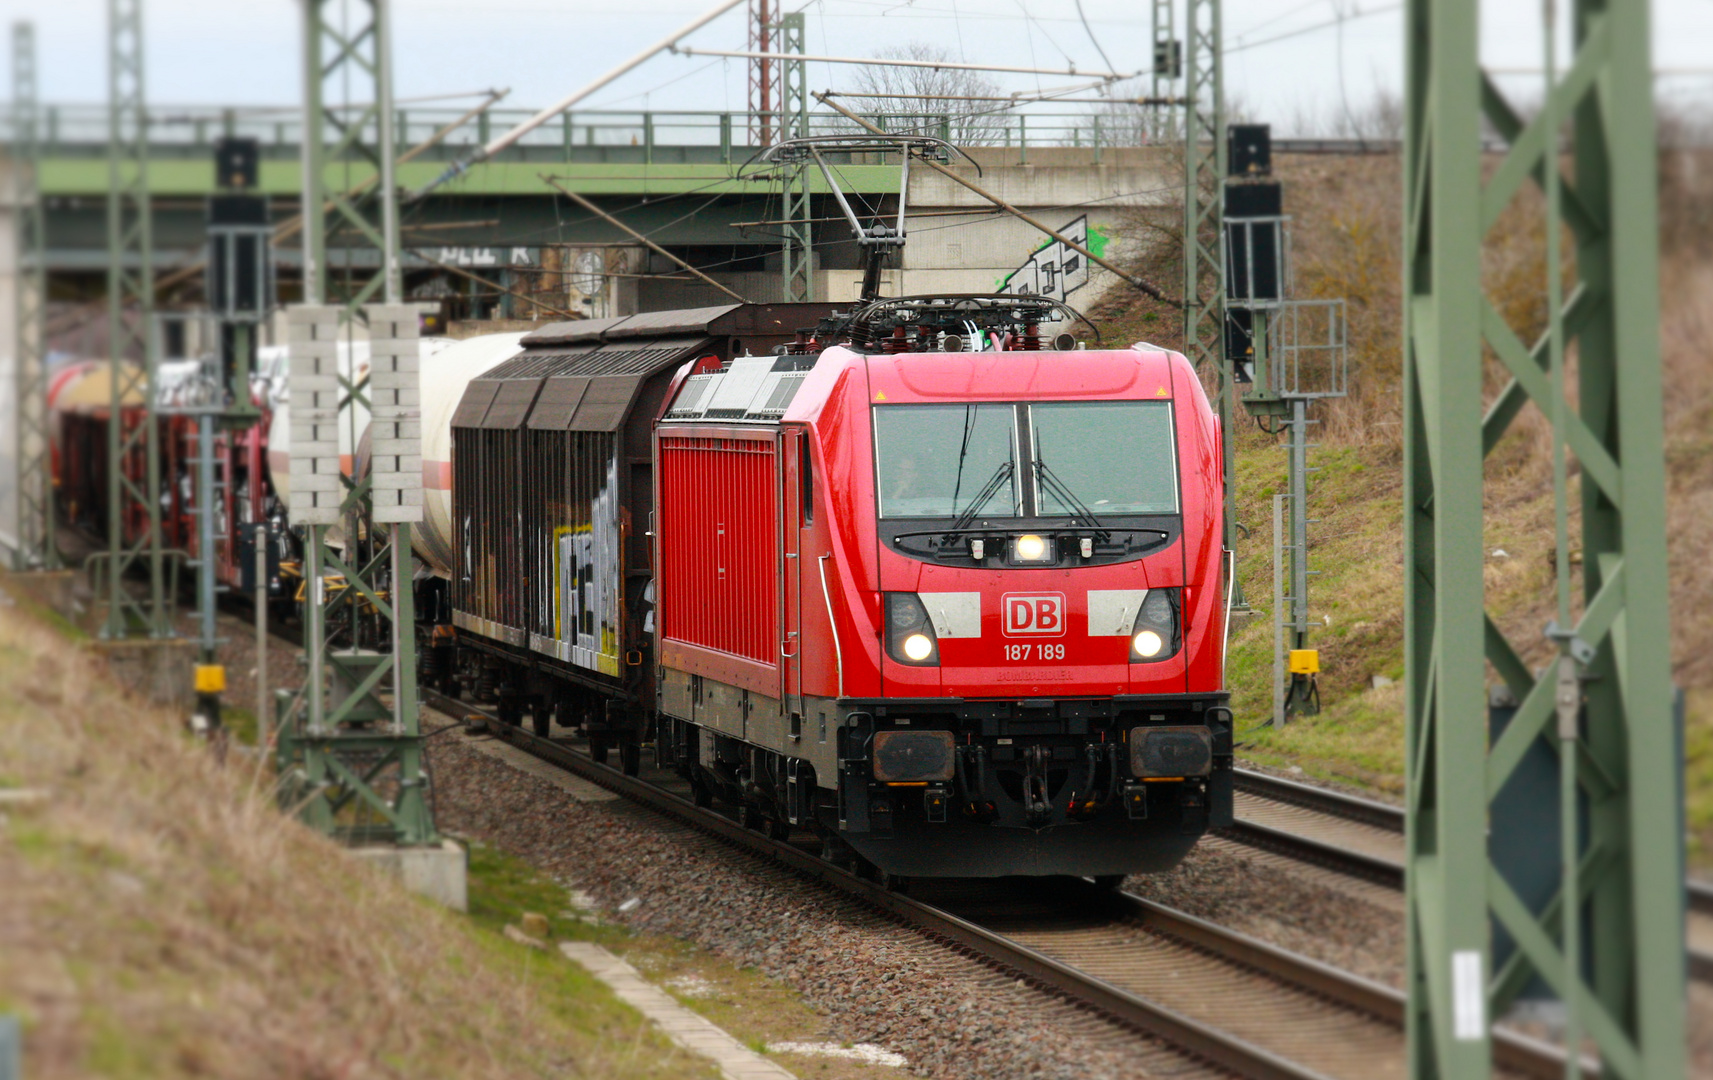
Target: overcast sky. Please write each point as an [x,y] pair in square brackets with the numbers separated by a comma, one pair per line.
[1286,58]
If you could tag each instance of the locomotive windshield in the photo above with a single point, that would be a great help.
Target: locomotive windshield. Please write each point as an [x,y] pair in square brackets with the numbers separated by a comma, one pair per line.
[1099,457]
[1115,457]
[946,460]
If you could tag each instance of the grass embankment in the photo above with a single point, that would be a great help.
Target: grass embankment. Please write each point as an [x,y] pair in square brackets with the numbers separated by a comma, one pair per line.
[762,1013]
[1346,243]
[160,917]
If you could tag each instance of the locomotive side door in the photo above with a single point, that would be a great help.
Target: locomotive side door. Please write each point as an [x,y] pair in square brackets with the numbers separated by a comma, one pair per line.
[795,517]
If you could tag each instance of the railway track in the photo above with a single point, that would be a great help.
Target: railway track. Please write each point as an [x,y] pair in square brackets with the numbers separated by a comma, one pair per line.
[1239,1004]
[1365,839]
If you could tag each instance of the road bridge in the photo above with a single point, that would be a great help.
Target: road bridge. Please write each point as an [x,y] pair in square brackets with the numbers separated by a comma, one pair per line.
[499,237]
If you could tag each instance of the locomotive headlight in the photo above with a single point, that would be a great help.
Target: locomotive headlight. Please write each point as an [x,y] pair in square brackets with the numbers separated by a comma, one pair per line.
[918,647]
[910,636]
[1031,548]
[1156,634]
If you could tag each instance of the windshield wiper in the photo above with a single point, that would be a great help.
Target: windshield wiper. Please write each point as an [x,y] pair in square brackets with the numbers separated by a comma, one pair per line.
[1001,474]
[1046,478]
[963,453]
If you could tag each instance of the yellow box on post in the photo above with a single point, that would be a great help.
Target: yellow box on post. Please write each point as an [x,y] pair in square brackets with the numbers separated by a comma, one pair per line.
[210,678]
[1305,661]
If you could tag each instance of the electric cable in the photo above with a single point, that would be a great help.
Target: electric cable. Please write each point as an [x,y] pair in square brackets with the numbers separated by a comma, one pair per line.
[1312,29]
[659,86]
[1051,40]
[1097,45]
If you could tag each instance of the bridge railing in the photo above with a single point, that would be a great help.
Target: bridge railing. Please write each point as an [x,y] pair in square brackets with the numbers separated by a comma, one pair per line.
[81,130]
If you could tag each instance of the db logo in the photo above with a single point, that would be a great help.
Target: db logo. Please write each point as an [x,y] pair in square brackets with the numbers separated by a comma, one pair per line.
[1034,613]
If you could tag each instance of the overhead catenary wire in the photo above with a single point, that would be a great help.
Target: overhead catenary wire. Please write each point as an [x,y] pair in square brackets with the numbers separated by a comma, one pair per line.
[1316,28]
[243,111]
[499,143]
[610,102]
[936,65]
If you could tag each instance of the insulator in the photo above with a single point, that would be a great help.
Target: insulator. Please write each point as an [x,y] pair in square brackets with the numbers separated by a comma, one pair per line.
[1030,341]
[899,341]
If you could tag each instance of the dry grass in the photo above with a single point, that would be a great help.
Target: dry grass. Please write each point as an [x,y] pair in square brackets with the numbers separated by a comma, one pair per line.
[160,917]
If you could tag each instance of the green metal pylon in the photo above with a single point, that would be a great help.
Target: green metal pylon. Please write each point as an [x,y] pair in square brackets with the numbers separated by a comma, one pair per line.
[1204,229]
[133,506]
[1167,68]
[351,752]
[1605,707]
[36,549]
[355,57]
[797,250]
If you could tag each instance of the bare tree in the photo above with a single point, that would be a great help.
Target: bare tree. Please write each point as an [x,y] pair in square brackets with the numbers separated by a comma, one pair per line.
[931,101]
[1378,120]
[1121,122]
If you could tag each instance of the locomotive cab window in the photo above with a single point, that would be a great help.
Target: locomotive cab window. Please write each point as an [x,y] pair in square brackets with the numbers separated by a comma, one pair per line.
[1097,457]
[939,461]
[1115,457]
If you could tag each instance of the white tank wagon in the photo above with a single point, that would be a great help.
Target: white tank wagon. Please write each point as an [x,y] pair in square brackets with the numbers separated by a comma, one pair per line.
[444,380]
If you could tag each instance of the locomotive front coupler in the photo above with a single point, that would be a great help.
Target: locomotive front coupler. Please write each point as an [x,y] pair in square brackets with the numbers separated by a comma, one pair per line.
[1102,759]
[1037,802]
[970,778]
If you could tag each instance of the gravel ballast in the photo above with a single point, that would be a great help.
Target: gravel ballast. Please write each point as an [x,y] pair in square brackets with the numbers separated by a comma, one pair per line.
[874,980]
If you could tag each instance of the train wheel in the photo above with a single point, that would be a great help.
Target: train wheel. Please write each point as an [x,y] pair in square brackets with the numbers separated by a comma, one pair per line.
[450,686]
[778,829]
[598,748]
[630,757]
[749,817]
[509,711]
[1109,882]
[896,883]
[541,719]
[700,795]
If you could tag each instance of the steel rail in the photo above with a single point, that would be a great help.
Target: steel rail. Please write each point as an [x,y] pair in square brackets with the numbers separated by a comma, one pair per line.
[1307,849]
[1529,1056]
[1020,961]
[1699,894]
[1317,853]
[1337,803]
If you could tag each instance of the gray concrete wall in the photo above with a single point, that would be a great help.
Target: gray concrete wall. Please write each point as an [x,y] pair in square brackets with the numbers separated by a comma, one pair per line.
[953,250]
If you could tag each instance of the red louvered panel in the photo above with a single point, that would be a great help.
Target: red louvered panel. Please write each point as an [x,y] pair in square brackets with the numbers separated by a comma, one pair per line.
[718,529]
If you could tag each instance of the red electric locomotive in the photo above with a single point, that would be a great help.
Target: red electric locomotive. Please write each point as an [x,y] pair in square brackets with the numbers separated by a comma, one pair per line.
[953,600]
[963,611]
